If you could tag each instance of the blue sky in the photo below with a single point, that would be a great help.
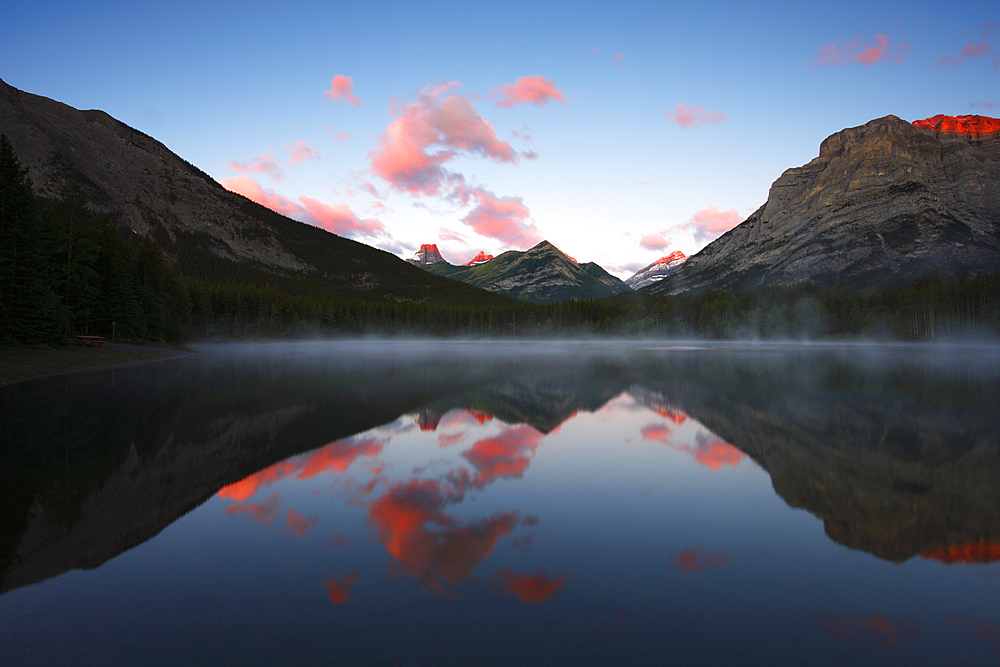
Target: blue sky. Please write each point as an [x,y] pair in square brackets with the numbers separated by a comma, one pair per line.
[618,131]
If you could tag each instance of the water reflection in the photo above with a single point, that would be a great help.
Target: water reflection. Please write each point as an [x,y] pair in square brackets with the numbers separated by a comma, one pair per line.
[600,482]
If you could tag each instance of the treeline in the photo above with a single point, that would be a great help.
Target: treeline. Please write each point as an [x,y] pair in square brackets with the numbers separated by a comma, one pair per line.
[929,309]
[65,270]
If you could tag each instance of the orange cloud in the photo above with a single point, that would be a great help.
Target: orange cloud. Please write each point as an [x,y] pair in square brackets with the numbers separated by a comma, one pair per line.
[865,53]
[299,524]
[534,589]
[505,455]
[865,629]
[691,117]
[709,450]
[693,559]
[340,90]
[534,89]
[335,218]
[716,453]
[260,512]
[404,518]
[429,132]
[655,433]
[502,218]
[338,590]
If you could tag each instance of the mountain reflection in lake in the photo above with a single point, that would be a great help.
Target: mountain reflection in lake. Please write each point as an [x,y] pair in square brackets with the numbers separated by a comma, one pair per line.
[383,503]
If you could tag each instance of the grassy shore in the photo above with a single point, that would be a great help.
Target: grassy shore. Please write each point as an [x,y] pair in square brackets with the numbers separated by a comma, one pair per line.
[20,365]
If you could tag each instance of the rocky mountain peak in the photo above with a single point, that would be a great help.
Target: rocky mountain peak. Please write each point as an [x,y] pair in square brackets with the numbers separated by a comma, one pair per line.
[672,257]
[428,254]
[481,258]
[973,128]
[656,271]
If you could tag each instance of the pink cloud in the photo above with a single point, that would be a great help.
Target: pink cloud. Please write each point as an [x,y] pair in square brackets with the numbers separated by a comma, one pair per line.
[299,524]
[336,218]
[691,117]
[262,164]
[968,51]
[710,223]
[533,89]
[619,58]
[694,560]
[654,242]
[251,189]
[300,151]
[502,218]
[430,132]
[445,234]
[343,135]
[340,89]
[865,53]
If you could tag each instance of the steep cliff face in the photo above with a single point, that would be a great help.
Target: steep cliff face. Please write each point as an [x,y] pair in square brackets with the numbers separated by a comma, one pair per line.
[428,254]
[656,271]
[883,203]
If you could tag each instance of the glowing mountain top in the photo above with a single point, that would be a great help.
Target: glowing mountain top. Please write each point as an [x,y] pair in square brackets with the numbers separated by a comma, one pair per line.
[479,259]
[972,127]
[672,257]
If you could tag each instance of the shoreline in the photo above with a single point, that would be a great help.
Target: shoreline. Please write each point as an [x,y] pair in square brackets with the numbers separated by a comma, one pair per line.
[21,365]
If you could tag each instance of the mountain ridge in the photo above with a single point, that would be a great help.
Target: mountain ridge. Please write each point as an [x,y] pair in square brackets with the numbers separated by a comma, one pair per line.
[204,231]
[883,203]
[541,274]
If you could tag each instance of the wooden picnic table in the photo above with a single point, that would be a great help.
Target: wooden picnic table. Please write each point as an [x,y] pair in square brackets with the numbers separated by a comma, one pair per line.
[89,340]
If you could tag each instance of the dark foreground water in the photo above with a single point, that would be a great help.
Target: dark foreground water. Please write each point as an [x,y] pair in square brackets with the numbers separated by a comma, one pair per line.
[509,504]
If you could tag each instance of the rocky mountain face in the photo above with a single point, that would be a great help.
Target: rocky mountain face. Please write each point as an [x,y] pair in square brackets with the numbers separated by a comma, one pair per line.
[656,271]
[428,254]
[202,228]
[883,203]
[543,274]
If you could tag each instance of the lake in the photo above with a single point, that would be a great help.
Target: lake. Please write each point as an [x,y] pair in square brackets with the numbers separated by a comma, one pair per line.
[448,503]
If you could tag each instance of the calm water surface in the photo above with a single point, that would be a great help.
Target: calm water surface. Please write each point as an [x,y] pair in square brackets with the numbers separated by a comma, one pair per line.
[387,503]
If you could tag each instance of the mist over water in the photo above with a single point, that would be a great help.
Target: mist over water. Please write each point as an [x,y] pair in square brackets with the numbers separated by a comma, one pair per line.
[428,502]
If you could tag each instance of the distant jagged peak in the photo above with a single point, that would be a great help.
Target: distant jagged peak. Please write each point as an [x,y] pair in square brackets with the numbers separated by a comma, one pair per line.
[672,257]
[481,258]
[970,127]
[428,254]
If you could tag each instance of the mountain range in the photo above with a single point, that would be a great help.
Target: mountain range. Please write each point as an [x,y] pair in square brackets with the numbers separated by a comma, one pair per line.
[883,203]
[542,274]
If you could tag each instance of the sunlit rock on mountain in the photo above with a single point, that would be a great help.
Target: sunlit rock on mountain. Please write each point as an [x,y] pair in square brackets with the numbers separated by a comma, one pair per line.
[481,258]
[428,254]
[656,271]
